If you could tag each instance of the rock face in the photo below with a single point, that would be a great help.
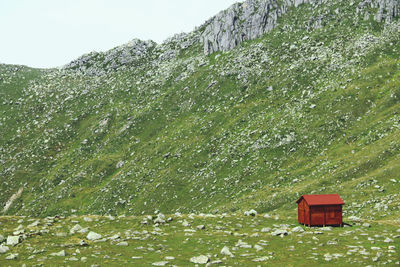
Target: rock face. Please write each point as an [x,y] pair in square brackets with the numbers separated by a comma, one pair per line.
[252,18]
[243,21]
[128,53]
[386,9]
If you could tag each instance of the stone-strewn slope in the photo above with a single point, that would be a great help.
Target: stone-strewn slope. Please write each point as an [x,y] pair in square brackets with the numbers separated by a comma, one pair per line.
[312,106]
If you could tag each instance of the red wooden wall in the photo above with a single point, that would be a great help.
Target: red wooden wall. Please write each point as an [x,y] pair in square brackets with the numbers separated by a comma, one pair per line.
[319,215]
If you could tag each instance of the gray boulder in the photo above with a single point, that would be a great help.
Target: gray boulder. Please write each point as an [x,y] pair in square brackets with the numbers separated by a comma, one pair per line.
[13,240]
[62,253]
[225,251]
[250,213]
[280,232]
[202,259]
[4,249]
[93,236]
[12,256]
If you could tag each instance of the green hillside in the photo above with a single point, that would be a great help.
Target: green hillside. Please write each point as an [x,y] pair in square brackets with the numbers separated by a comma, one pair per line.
[312,106]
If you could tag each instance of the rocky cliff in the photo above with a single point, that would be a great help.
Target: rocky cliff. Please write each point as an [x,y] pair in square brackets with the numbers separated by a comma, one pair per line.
[253,18]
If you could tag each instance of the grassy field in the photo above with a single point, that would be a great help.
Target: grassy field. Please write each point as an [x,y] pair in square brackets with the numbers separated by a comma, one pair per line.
[249,239]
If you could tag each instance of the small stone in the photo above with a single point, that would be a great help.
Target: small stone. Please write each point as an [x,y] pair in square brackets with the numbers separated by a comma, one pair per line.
[185,223]
[124,244]
[202,259]
[87,219]
[298,229]
[260,259]
[201,227]
[12,256]
[258,247]
[62,253]
[265,230]
[388,240]
[61,234]
[354,219]
[160,263]
[34,224]
[279,232]
[225,251]
[250,213]
[4,249]
[13,240]
[93,236]
[2,238]
[115,237]
[83,243]
[366,225]
[75,229]
[169,258]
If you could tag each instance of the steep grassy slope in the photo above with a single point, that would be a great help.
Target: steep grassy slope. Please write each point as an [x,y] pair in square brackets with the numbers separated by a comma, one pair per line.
[306,108]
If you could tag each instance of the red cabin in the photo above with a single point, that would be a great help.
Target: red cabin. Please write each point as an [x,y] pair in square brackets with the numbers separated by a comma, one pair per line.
[320,210]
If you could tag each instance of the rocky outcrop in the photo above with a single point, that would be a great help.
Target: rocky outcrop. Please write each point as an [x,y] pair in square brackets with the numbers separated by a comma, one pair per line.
[386,9]
[122,55]
[244,21]
[252,18]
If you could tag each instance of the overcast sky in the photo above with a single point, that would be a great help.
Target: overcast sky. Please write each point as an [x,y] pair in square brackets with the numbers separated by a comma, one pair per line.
[50,33]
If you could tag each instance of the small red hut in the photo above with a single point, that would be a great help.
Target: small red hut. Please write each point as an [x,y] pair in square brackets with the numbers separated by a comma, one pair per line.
[320,210]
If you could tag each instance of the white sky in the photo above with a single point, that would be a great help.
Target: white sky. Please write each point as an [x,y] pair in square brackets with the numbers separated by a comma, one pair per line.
[50,33]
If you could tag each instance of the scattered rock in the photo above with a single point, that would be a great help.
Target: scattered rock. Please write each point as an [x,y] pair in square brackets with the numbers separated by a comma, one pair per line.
[62,253]
[4,249]
[201,227]
[242,244]
[225,251]
[83,243]
[160,218]
[185,223]
[12,256]
[250,213]
[265,258]
[265,230]
[87,219]
[258,247]
[124,243]
[75,229]
[354,219]
[34,224]
[298,229]
[280,232]
[160,263]
[202,259]
[13,240]
[93,236]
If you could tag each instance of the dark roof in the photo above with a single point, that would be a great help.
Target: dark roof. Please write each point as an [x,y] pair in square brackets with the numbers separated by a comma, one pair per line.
[315,200]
